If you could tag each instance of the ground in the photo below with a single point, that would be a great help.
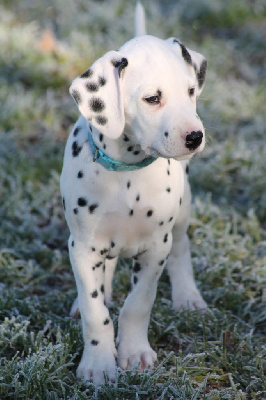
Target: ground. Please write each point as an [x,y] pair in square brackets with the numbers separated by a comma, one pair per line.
[217,355]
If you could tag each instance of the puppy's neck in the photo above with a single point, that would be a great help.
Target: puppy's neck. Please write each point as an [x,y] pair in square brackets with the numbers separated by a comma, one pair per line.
[124,149]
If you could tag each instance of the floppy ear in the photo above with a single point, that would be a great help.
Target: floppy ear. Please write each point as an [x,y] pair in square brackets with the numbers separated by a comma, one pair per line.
[196,63]
[98,95]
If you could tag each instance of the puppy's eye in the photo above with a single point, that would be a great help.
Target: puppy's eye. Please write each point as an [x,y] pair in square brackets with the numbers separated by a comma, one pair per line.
[152,99]
[191,91]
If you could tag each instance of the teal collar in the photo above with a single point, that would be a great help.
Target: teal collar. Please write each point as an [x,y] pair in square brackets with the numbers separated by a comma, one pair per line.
[115,165]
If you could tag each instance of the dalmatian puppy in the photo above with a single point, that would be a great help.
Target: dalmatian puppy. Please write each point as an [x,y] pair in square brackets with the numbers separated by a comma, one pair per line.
[125,192]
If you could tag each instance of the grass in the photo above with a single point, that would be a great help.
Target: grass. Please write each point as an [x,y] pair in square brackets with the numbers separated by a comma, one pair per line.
[219,355]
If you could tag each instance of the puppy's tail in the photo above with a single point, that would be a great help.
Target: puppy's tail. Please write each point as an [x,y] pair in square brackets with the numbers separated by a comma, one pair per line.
[140,23]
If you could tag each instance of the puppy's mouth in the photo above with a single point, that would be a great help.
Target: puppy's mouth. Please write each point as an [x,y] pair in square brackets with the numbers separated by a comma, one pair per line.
[150,151]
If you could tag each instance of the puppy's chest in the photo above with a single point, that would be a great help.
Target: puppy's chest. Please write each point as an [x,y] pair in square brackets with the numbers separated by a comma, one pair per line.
[140,199]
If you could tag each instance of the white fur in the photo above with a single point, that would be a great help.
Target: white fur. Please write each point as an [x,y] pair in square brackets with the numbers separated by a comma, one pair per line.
[135,214]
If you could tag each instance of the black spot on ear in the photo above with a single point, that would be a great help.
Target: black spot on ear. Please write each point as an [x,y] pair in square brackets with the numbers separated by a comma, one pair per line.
[87,74]
[93,207]
[185,53]
[202,73]
[101,120]
[76,149]
[76,95]
[120,65]
[82,202]
[96,104]
[76,131]
[102,81]
[187,169]
[92,87]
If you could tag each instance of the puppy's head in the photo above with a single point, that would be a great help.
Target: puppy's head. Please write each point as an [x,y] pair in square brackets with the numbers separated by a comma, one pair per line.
[149,86]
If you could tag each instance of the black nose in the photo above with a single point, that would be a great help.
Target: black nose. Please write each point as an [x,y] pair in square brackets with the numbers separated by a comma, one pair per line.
[193,140]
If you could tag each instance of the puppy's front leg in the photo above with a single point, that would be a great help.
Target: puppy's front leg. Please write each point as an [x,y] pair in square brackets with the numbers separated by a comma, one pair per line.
[99,353]
[134,347]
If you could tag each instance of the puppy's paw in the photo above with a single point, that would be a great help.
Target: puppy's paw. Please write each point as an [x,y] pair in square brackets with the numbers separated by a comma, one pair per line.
[142,357]
[97,364]
[189,300]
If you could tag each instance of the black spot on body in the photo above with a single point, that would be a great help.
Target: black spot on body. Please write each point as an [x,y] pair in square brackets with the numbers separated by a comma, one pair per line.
[166,134]
[168,172]
[161,223]
[126,139]
[98,264]
[76,149]
[101,137]
[93,207]
[73,243]
[101,120]
[137,267]
[135,279]
[87,74]
[76,95]
[93,249]
[130,148]
[92,87]
[131,213]
[161,262]
[180,202]
[165,238]
[168,161]
[149,213]
[94,342]
[187,169]
[128,184]
[94,294]
[102,288]
[75,210]
[76,131]
[82,202]
[112,244]
[103,251]
[96,104]
[170,219]
[138,197]
[64,203]
[80,174]
[106,321]
[104,146]
[136,152]
[168,190]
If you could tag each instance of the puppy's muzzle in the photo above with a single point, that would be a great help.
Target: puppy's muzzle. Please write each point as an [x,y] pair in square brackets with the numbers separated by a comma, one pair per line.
[193,140]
